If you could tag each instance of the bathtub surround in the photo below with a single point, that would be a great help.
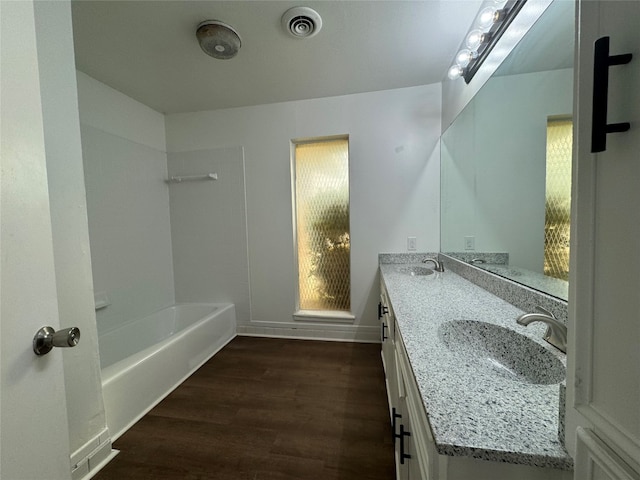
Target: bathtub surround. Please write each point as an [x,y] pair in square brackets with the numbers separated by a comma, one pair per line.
[209,229]
[128,203]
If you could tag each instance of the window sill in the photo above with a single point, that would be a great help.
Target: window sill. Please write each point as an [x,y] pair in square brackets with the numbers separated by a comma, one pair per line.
[323,316]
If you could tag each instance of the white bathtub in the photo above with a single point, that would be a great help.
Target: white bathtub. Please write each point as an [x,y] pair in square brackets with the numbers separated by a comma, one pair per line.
[144,360]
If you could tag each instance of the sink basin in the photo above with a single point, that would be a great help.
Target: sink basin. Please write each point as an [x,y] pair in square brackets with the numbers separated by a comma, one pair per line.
[416,270]
[502,351]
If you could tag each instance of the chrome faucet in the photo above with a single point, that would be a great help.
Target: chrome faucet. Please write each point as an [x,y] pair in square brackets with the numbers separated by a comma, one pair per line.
[438,267]
[556,333]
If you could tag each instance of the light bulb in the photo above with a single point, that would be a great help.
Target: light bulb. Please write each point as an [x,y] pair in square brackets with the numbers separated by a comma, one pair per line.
[487,17]
[454,72]
[475,39]
[464,57]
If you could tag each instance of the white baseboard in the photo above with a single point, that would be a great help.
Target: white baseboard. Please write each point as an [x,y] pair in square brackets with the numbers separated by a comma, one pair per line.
[335,333]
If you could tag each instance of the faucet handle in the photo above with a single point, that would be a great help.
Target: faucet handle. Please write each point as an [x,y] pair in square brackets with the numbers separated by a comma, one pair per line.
[545,311]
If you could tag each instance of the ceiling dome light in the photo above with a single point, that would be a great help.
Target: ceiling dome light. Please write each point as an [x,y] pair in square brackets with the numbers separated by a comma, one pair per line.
[218,40]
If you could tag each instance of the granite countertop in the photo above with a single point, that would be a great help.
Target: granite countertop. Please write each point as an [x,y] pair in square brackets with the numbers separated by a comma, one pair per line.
[473,410]
[552,286]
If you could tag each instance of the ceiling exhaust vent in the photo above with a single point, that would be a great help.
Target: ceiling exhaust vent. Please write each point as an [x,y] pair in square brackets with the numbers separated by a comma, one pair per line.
[301,22]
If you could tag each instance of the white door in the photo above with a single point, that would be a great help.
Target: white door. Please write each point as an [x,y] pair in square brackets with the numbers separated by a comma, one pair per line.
[604,362]
[34,436]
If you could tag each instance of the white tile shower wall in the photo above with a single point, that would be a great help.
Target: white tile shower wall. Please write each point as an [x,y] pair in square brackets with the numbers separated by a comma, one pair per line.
[394,176]
[209,229]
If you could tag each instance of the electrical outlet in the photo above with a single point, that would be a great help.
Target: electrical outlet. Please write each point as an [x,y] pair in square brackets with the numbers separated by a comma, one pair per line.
[411,244]
[469,243]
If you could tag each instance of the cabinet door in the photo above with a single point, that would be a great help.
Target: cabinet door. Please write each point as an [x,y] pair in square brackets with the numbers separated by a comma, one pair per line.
[604,353]
[417,445]
[411,448]
[595,460]
[402,437]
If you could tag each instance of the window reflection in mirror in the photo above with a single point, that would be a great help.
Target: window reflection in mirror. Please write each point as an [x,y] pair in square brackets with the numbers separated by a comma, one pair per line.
[557,223]
[494,159]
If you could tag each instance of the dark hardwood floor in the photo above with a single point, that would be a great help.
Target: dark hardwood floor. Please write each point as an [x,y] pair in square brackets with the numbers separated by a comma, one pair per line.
[265,408]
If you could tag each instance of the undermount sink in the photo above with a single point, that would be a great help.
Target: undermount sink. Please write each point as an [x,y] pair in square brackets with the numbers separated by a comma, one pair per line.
[503,351]
[416,270]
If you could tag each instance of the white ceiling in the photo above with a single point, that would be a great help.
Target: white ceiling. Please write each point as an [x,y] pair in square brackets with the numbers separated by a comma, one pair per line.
[148,49]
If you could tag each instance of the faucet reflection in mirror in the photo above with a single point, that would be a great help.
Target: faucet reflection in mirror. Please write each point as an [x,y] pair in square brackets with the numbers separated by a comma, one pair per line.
[492,20]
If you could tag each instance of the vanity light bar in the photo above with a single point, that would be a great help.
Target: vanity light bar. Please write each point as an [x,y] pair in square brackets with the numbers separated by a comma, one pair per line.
[485,32]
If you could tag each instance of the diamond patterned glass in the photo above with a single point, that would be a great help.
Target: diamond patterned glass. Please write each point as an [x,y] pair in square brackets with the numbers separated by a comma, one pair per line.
[558,198]
[322,225]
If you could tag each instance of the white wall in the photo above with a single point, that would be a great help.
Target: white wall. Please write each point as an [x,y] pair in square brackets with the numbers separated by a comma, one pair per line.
[394,162]
[128,203]
[494,166]
[69,224]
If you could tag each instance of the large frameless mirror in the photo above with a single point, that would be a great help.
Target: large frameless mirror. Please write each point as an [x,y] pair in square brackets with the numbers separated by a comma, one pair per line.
[506,162]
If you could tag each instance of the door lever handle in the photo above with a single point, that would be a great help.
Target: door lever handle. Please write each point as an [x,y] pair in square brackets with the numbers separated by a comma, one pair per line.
[46,338]
[601,63]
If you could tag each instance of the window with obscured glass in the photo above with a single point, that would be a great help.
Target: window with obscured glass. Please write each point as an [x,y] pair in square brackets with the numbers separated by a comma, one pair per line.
[321,183]
[558,198]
